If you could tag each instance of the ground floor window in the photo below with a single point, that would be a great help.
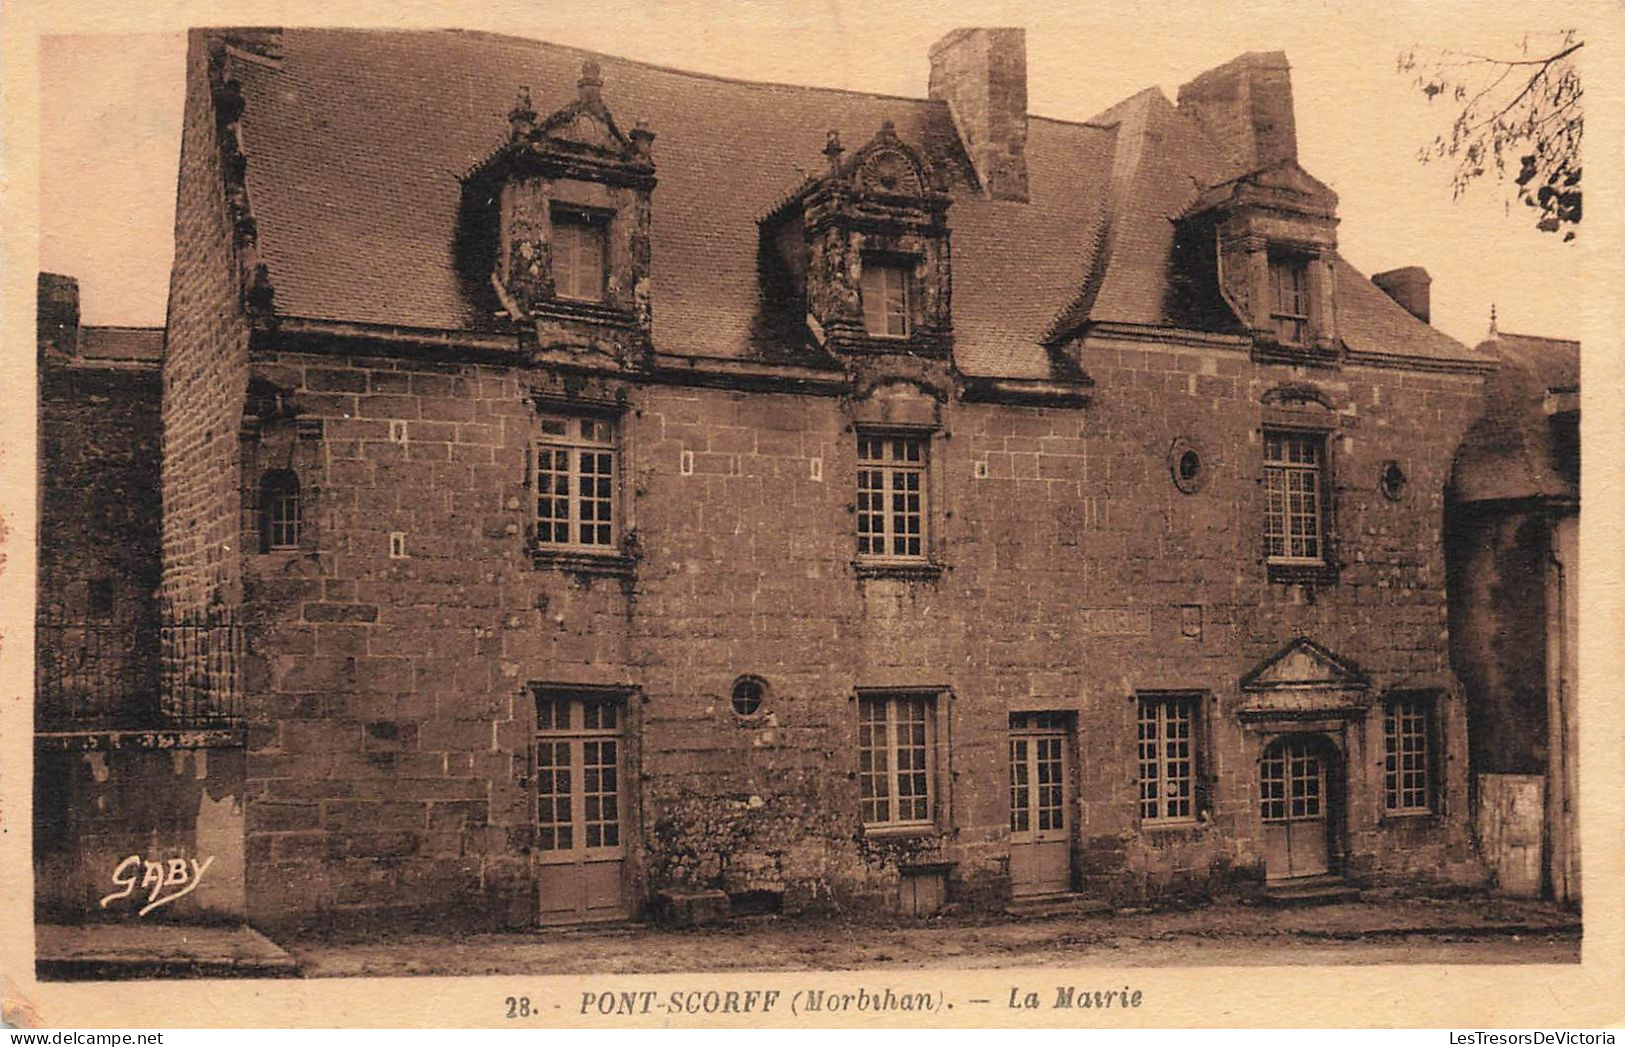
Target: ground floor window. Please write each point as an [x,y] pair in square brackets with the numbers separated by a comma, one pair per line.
[1168,751]
[1408,754]
[896,759]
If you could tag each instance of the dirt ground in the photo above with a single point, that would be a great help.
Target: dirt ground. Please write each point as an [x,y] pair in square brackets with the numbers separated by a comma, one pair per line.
[1464,930]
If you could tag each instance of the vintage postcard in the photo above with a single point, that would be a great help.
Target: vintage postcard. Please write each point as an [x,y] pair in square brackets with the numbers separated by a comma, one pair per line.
[772,514]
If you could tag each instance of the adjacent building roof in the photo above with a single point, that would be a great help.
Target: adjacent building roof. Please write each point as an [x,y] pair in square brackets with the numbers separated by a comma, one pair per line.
[356,142]
[121,344]
[1526,444]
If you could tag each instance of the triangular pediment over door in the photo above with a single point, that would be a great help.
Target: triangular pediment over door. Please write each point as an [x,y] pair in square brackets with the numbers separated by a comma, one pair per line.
[1303,679]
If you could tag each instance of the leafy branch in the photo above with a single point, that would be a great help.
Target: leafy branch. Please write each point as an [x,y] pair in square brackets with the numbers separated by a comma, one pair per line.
[1521,114]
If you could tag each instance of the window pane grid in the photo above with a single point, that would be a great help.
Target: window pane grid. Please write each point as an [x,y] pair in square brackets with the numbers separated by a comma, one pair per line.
[1292,782]
[281,514]
[1167,759]
[1051,812]
[891,497]
[553,796]
[578,749]
[1020,798]
[894,760]
[574,477]
[599,786]
[285,520]
[1407,771]
[1292,480]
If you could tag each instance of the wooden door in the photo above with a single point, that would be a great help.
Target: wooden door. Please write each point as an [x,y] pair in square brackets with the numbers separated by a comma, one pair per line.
[1293,798]
[580,809]
[1040,804]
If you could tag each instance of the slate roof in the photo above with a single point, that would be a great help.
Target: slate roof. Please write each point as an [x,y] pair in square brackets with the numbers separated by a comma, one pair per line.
[1525,445]
[356,141]
[121,344]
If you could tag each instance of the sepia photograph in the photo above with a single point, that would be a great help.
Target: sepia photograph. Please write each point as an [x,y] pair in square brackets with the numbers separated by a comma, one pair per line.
[610,491]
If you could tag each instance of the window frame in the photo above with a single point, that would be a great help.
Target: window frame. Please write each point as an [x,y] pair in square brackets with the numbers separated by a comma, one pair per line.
[905,268]
[577,220]
[1424,711]
[1195,796]
[575,443]
[889,699]
[890,466]
[1320,441]
[1280,263]
[277,489]
[574,731]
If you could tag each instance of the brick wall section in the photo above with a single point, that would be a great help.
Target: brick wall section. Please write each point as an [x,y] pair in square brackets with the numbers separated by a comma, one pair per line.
[205,369]
[389,748]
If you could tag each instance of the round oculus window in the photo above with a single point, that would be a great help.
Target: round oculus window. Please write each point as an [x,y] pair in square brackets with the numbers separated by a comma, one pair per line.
[1392,480]
[1187,465]
[748,693]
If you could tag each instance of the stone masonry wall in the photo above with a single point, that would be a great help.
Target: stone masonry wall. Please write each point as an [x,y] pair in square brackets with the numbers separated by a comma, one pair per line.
[388,770]
[1499,556]
[98,554]
[205,369]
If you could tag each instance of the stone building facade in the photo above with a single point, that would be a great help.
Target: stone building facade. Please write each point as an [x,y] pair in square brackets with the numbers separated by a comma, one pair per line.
[801,497]
[1512,552]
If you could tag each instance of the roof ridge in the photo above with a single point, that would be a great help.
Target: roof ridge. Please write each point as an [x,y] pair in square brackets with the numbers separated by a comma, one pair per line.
[1535,338]
[1091,122]
[658,66]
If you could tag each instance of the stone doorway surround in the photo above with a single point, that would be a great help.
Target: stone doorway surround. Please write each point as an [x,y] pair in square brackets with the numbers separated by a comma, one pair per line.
[1306,690]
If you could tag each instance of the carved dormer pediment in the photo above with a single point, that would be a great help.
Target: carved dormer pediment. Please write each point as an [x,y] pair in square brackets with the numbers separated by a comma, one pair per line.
[1285,187]
[554,232]
[1275,230]
[1286,184]
[584,127]
[866,247]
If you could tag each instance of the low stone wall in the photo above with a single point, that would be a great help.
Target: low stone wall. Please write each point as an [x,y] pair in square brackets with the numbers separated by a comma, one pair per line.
[138,826]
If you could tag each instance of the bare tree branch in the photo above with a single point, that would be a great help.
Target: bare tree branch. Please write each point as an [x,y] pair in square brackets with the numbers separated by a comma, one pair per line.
[1501,114]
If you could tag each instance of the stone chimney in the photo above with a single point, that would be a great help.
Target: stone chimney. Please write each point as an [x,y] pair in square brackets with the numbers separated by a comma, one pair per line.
[982,75]
[1409,287]
[1245,106]
[57,316]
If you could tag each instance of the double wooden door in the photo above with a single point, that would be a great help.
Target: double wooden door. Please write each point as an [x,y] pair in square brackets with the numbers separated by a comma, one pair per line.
[580,809]
[1293,778]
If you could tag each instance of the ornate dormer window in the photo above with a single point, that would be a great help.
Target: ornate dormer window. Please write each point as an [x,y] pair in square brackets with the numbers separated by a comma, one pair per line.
[1275,232]
[555,226]
[865,248]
